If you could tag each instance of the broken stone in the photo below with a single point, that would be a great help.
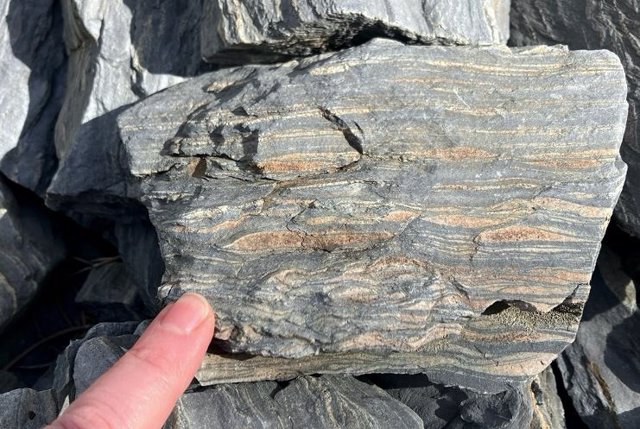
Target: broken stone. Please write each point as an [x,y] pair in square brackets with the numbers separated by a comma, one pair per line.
[594,24]
[30,247]
[110,294]
[309,402]
[388,207]
[33,62]
[27,408]
[451,407]
[601,370]
[259,30]
[120,51]
[548,411]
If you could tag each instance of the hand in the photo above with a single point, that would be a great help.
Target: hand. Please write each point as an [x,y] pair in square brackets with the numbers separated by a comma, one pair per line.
[141,389]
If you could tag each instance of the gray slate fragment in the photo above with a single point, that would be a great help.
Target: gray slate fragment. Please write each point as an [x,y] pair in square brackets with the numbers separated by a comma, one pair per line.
[381,199]
[119,51]
[601,370]
[30,247]
[27,409]
[450,407]
[33,62]
[260,30]
[306,402]
[548,411]
[594,24]
[109,293]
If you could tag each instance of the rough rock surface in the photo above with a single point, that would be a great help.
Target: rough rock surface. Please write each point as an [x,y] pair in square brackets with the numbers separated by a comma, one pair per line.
[119,52]
[601,370]
[447,203]
[32,61]
[30,247]
[261,30]
[548,411]
[27,409]
[594,24]
[442,407]
[306,402]
[110,294]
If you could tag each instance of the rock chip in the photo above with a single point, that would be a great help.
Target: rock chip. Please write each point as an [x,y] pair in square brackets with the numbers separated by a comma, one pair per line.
[449,407]
[594,24]
[445,205]
[260,30]
[33,63]
[119,51]
[27,409]
[601,370]
[309,402]
[548,411]
[30,247]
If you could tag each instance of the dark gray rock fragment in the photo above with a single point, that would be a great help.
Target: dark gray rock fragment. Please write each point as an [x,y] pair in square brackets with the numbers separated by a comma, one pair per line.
[442,407]
[594,24]
[259,30]
[548,411]
[109,293]
[386,198]
[27,408]
[601,370]
[33,63]
[119,52]
[306,402]
[30,247]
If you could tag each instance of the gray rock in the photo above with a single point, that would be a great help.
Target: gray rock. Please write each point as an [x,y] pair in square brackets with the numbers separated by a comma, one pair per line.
[119,52]
[68,374]
[33,61]
[594,24]
[30,247]
[261,30]
[27,408]
[444,203]
[548,411]
[306,402]
[601,370]
[109,293]
[449,407]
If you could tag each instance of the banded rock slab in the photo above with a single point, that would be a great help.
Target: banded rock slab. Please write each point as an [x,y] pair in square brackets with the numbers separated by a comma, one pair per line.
[595,24]
[260,30]
[428,209]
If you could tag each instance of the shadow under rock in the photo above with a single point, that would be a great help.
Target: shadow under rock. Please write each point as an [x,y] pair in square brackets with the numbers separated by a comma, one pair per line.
[35,32]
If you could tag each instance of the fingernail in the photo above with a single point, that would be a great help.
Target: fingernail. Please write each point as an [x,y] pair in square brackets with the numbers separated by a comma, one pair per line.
[187,313]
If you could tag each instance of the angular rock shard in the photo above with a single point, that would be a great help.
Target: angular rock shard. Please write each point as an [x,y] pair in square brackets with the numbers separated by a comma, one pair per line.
[601,370]
[259,30]
[443,407]
[594,24]
[310,402]
[439,209]
[30,247]
[33,62]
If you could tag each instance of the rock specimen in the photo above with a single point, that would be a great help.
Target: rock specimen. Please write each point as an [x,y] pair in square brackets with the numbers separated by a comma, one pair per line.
[32,60]
[601,370]
[444,205]
[594,24]
[260,30]
[29,248]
